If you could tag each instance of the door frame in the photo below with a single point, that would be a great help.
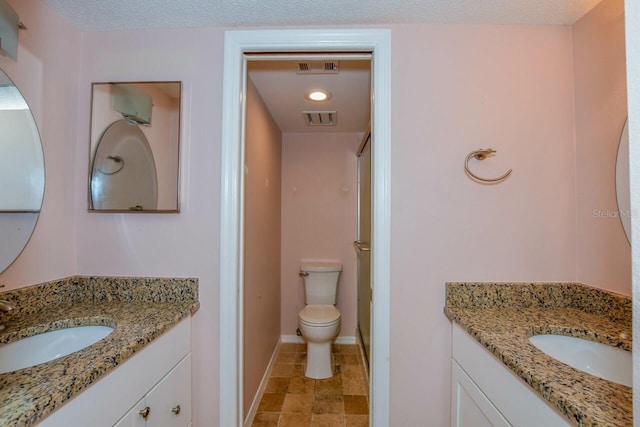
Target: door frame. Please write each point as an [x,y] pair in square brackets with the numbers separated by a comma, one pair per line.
[236,44]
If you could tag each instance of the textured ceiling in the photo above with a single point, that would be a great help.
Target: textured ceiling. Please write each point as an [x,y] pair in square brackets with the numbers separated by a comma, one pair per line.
[108,15]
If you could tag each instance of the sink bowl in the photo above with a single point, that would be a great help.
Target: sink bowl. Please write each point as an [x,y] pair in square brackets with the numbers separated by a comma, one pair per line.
[49,346]
[601,360]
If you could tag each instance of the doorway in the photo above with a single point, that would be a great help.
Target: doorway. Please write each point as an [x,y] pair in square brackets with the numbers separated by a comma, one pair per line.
[237,44]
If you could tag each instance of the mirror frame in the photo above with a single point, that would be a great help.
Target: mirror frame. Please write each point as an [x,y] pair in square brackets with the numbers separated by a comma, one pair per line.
[94,142]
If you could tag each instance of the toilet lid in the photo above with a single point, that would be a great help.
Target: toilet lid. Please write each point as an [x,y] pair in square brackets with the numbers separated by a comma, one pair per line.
[319,314]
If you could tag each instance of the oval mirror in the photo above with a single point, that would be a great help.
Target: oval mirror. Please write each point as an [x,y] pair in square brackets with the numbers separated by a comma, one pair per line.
[134,147]
[622,181]
[21,172]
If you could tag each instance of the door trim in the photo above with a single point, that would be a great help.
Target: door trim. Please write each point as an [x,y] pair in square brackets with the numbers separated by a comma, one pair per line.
[236,44]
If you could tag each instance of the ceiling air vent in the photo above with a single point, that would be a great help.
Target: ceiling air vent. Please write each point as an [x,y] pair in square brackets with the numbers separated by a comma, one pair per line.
[317,67]
[320,118]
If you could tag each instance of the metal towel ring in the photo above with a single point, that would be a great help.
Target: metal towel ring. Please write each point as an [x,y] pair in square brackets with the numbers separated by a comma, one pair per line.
[482,154]
[116,159]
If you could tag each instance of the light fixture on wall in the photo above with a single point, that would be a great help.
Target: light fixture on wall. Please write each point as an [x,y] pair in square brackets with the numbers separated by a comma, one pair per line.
[9,26]
[318,95]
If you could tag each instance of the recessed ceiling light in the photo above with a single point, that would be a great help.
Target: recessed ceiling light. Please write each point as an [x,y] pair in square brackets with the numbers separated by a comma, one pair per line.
[318,95]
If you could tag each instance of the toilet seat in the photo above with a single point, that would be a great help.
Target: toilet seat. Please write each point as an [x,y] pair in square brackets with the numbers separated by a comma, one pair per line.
[319,315]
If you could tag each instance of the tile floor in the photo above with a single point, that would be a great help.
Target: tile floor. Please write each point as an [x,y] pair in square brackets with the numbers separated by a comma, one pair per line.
[291,399]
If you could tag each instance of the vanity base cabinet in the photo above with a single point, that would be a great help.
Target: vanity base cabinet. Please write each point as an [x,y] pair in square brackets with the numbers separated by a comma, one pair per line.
[470,407]
[104,403]
[168,404]
[486,393]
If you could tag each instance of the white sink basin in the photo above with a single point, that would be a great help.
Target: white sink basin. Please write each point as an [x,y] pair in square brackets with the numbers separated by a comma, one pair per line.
[49,346]
[601,360]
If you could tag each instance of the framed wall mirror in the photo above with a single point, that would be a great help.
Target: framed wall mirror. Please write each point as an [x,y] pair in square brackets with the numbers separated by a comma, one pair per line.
[21,172]
[134,147]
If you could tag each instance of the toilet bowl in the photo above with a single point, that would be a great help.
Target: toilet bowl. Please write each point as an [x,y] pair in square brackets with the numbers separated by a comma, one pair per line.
[319,324]
[319,320]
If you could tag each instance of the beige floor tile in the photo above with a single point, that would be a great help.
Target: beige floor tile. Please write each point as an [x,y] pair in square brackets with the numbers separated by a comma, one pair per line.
[265,420]
[356,405]
[285,357]
[291,399]
[331,386]
[328,420]
[328,404]
[356,420]
[351,371]
[295,420]
[277,385]
[288,347]
[271,402]
[297,403]
[354,386]
[282,370]
[351,358]
[301,385]
[297,370]
[348,348]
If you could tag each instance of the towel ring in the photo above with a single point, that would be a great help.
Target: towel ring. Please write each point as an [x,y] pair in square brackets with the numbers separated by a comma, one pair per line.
[119,160]
[482,154]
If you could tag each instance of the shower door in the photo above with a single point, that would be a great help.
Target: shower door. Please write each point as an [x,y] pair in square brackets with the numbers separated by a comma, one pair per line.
[363,244]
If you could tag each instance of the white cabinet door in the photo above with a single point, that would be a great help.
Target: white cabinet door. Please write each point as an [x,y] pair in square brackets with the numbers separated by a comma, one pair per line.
[168,404]
[170,400]
[507,393]
[469,406]
[133,418]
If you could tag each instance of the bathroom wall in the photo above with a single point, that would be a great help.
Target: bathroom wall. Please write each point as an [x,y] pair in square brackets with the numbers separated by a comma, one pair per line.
[507,87]
[319,218]
[46,73]
[263,154]
[184,244]
[603,252]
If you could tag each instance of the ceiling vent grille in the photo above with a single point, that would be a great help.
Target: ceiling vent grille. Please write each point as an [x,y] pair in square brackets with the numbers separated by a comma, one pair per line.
[320,118]
[318,67]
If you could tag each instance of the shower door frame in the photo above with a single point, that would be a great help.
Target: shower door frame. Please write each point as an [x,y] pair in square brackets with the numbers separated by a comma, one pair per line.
[237,43]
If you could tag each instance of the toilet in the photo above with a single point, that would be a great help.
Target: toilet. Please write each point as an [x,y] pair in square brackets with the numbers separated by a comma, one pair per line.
[319,320]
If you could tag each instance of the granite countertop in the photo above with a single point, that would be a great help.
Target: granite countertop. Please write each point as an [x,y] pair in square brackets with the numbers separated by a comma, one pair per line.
[140,310]
[502,316]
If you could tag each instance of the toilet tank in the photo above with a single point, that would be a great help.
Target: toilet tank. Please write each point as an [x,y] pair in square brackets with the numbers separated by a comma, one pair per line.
[320,281]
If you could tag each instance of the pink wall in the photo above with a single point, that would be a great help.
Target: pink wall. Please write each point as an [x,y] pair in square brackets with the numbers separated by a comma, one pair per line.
[182,245]
[46,73]
[263,153]
[455,89]
[603,252]
[319,218]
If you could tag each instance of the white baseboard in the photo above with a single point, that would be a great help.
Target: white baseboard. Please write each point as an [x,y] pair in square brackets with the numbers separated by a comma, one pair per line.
[294,339]
[263,385]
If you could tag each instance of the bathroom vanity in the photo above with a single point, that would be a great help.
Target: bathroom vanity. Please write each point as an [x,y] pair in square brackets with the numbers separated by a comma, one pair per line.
[139,375]
[499,378]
